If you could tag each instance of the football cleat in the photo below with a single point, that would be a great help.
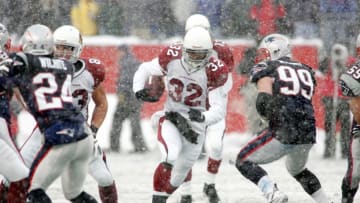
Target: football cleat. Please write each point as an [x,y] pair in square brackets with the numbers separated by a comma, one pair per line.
[186,199]
[211,194]
[276,196]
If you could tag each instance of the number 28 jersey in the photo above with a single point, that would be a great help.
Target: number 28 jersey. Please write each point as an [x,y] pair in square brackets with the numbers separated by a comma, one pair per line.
[90,74]
[293,87]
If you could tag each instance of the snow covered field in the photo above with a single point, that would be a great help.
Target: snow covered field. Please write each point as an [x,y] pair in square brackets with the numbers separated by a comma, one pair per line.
[133,172]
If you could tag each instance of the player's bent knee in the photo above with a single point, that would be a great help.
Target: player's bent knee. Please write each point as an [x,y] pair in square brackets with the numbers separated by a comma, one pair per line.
[38,195]
[84,197]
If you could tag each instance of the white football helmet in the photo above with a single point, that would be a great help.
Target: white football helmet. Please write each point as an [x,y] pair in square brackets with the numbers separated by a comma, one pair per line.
[272,47]
[197,48]
[38,40]
[197,20]
[68,35]
[5,41]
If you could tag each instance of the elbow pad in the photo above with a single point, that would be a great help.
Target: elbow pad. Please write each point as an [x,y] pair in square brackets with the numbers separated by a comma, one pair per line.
[265,104]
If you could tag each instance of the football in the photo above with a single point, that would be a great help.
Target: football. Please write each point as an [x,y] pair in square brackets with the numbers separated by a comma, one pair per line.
[156,86]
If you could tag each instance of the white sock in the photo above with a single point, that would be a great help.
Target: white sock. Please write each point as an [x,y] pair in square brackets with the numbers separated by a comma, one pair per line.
[186,188]
[210,178]
[320,196]
[265,184]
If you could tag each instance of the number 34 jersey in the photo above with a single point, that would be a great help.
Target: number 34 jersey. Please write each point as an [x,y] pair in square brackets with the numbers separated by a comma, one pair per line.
[90,72]
[293,121]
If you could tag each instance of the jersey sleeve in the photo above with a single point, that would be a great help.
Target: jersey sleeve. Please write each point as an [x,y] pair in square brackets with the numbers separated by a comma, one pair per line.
[97,70]
[350,81]
[259,71]
[224,53]
[217,73]
[171,52]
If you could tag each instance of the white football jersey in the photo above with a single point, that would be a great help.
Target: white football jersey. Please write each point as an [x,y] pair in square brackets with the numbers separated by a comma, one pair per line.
[85,81]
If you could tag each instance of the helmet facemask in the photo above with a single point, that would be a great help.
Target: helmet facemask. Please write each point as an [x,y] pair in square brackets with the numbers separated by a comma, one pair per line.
[196,59]
[66,52]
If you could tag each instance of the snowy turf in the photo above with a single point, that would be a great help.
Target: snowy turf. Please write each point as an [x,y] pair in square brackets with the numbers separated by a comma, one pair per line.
[133,172]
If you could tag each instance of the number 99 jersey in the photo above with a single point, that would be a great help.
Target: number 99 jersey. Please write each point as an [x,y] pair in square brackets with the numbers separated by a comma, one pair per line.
[293,87]
[90,72]
[350,81]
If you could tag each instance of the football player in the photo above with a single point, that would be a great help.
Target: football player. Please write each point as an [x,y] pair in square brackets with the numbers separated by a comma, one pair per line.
[67,142]
[85,85]
[14,170]
[285,89]
[192,76]
[350,86]
[215,132]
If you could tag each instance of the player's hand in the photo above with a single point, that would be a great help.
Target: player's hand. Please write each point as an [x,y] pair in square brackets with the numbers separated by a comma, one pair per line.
[182,125]
[196,115]
[144,95]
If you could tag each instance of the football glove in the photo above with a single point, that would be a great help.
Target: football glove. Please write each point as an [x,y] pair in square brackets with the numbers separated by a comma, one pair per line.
[182,125]
[144,95]
[196,115]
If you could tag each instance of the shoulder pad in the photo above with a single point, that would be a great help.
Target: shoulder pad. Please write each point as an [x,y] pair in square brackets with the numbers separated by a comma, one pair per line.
[96,68]
[169,53]
[217,72]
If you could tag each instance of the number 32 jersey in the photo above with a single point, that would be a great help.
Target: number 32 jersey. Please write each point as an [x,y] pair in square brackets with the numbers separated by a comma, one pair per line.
[89,74]
[190,88]
[293,121]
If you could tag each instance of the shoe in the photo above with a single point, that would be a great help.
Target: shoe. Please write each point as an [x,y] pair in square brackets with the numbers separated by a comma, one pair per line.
[211,194]
[186,199]
[276,196]
[3,192]
[159,199]
[347,200]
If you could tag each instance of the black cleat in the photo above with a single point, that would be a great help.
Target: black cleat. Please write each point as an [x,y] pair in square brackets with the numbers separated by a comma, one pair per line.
[159,199]
[211,194]
[186,199]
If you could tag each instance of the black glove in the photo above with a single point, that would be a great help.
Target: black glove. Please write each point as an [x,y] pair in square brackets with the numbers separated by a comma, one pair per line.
[143,95]
[196,115]
[182,125]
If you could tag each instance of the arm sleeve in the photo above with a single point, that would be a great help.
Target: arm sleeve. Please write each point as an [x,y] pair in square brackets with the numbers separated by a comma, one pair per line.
[144,71]
[218,106]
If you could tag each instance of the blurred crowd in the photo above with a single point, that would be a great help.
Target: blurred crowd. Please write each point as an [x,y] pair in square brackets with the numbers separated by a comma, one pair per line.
[332,21]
